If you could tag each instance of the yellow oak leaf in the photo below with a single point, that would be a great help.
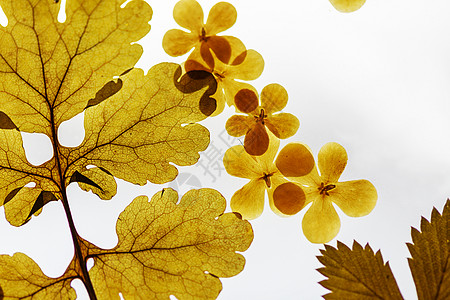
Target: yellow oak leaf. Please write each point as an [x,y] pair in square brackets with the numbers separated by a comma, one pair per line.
[166,247]
[97,180]
[49,70]
[21,278]
[175,248]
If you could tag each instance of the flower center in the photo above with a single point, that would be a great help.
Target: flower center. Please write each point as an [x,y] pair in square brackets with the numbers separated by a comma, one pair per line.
[203,37]
[323,189]
[266,178]
[261,116]
[218,75]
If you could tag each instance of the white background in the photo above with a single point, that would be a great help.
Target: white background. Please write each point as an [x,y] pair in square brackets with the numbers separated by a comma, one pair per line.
[375,81]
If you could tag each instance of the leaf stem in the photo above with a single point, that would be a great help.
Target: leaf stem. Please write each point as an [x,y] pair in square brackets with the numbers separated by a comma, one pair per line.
[78,253]
[79,258]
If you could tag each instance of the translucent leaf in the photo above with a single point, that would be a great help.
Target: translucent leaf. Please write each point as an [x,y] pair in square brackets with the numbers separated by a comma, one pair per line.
[21,278]
[175,248]
[357,273]
[430,252]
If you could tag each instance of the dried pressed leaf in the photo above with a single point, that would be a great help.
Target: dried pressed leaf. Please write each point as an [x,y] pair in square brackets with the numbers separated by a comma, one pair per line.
[430,256]
[21,278]
[174,249]
[52,68]
[357,273]
[97,180]
[138,141]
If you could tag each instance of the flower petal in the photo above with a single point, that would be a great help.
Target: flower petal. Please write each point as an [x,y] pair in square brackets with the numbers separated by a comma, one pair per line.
[321,222]
[238,125]
[195,62]
[289,198]
[238,163]
[273,98]
[266,160]
[249,200]
[189,14]
[250,69]
[220,99]
[232,87]
[246,100]
[347,5]
[283,125]
[355,198]
[312,179]
[221,17]
[178,42]
[256,140]
[276,180]
[332,160]
[295,160]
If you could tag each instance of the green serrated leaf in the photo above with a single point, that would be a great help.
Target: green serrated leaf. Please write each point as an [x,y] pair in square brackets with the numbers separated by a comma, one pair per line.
[430,251]
[357,273]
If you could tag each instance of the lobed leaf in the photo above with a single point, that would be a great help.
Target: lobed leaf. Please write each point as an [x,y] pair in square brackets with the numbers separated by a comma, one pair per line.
[138,132]
[169,248]
[357,273]
[49,70]
[430,256]
[21,278]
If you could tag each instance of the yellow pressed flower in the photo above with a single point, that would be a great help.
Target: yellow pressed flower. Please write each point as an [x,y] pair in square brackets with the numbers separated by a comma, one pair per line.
[247,65]
[283,125]
[355,198]
[202,36]
[347,5]
[265,176]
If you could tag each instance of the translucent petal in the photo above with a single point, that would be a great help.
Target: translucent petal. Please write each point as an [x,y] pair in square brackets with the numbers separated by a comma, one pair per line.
[250,69]
[246,100]
[289,198]
[332,160]
[295,160]
[312,179]
[355,198]
[195,62]
[221,17]
[239,125]
[347,5]
[220,99]
[189,14]
[273,98]
[256,140]
[321,222]
[232,87]
[249,200]
[283,125]
[275,180]
[238,163]
[266,160]
[178,42]
[206,55]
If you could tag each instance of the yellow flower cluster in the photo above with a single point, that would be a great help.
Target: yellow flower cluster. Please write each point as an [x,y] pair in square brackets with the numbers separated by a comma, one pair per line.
[290,176]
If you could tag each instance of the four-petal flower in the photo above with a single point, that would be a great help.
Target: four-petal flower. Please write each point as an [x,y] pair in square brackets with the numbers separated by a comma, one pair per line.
[283,125]
[203,36]
[355,198]
[264,175]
